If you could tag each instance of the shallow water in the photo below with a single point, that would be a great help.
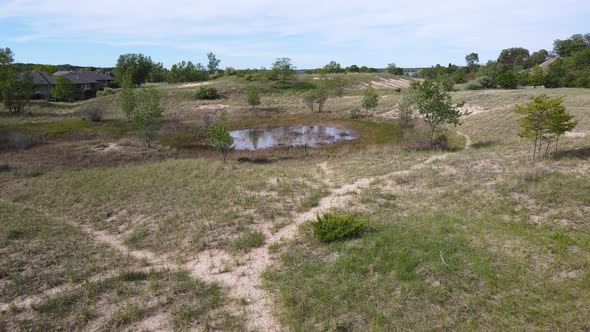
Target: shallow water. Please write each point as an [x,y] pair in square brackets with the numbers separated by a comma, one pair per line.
[292,136]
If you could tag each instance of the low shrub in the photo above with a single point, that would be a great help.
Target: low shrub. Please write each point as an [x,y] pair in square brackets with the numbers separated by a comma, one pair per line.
[16,140]
[206,93]
[106,92]
[93,113]
[333,227]
[355,113]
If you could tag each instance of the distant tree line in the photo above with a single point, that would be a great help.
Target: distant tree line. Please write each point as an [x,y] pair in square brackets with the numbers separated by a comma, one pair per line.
[517,66]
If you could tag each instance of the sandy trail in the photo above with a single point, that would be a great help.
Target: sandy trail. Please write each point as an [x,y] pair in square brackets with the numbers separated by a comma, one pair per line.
[241,275]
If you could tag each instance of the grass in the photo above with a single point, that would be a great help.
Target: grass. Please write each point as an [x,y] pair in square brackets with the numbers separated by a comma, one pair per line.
[247,241]
[475,239]
[185,204]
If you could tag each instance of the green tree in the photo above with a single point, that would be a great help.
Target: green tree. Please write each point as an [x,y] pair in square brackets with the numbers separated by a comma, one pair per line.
[370,98]
[283,69]
[127,97]
[253,97]
[137,66]
[7,73]
[472,60]
[538,58]
[158,73]
[572,45]
[514,56]
[220,138]
[352,69]
[321,96]
[213,64]
[407,107]
[435,105]
[543,120]
[339,83]
[507,79]
[64,89]
[536,76]
[394,70]
[309,99]
[147,113]
[17,92]
[332,68]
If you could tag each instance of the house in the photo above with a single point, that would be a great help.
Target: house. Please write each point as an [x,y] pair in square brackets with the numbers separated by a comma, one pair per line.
[87,82]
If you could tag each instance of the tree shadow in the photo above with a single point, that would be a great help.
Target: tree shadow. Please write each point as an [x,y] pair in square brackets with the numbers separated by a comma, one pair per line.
[259,160]
[581,153]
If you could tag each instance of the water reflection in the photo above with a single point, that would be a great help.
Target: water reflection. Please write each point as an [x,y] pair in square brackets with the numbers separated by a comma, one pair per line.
[312,136]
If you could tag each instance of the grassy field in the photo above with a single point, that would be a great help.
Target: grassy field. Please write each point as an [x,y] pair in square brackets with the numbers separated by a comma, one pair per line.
[99,232]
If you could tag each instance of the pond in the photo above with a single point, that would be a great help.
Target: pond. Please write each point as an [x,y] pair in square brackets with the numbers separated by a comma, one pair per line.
[289,136]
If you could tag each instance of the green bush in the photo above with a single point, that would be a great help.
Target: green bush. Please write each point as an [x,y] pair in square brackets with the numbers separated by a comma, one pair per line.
[332,227]
[106,92]
[206,93]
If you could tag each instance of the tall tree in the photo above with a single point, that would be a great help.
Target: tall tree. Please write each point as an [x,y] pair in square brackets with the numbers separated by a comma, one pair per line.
[472,60]
[127,97]
[213,64]
[332,68]
[17,92]
[138,66]
[514,56]
[435,105]
[284,69]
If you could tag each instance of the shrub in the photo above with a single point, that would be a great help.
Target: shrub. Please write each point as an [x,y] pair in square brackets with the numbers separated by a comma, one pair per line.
[332,227]
[206,93]
[4,168]
[355,113]
[106,92]
[94,113]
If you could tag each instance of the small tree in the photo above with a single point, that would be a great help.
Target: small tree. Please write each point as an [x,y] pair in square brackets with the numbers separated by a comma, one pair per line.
[435,105]
[406,106]
[220,138]
[309,99]
[147,113]
[544,119]
[213,64]
[127,97]
[283,69]
[321,96]
[338,84]
[370,99]
[64,89]
[253,97]
[17,92]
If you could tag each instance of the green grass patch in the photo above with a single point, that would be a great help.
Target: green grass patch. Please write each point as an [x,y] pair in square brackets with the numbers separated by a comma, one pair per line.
[248,240]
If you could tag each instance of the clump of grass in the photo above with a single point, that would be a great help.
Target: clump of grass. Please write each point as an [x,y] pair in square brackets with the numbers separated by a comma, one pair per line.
[332,227]
[248,241]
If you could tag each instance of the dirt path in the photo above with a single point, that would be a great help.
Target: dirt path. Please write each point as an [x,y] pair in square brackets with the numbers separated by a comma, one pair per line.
[467,140]
[241,275]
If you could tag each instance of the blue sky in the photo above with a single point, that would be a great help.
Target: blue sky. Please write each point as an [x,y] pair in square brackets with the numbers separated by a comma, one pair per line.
[252,33]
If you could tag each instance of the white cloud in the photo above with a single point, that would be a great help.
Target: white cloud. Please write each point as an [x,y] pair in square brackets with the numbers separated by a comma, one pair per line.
[257,27]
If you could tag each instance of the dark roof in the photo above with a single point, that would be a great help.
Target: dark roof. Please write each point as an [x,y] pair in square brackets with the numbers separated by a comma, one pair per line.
[83,76]
[39,77]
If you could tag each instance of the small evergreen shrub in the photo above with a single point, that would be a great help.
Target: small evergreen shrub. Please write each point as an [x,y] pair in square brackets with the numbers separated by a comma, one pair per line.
[333,227]
[206,93]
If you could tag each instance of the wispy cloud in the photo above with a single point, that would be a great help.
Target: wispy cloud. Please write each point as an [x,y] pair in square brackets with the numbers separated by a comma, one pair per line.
[310,28]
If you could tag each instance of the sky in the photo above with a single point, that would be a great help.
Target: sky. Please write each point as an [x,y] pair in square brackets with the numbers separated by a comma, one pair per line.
[253,33]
